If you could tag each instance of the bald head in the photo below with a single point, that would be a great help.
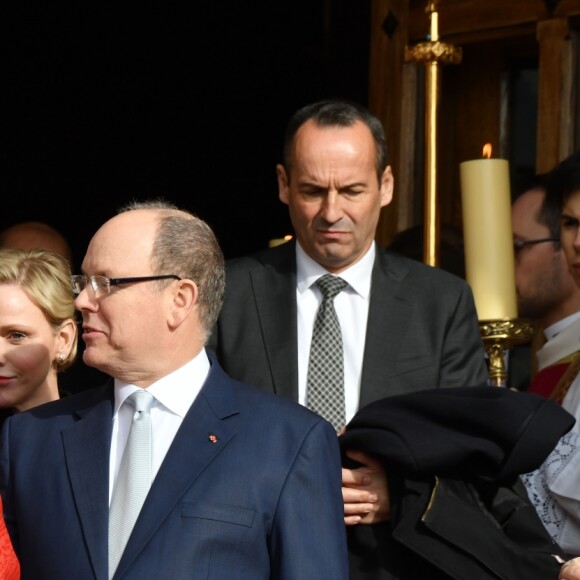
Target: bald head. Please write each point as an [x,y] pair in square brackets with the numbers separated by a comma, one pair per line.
[35,236]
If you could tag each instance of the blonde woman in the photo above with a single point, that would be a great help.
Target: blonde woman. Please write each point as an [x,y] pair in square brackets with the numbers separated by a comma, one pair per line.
[38,337]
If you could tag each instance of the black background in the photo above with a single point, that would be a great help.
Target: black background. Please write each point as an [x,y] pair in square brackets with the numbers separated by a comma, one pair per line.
[106,105]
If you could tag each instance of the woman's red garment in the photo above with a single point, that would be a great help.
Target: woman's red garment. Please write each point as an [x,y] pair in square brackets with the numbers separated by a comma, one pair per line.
[9,565]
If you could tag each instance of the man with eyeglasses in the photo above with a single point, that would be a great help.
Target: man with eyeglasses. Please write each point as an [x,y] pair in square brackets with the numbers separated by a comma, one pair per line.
[546,292]
[171,470]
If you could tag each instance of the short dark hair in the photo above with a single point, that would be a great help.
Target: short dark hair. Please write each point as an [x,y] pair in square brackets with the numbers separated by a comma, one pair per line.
[550,210]
[567,176]
[558,184]
[336,113]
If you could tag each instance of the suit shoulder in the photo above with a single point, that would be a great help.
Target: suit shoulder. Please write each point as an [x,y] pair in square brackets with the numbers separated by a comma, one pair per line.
[410,270]
[67,406]
[272,257]
[269,405]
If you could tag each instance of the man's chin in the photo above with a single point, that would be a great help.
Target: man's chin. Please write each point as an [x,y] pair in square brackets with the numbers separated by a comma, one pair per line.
[333,261]
[92,358]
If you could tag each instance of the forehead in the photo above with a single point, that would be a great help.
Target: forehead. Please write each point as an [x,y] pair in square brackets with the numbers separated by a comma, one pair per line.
[15,303]
[314,143]
[525,208]
[572,203]
[123,244]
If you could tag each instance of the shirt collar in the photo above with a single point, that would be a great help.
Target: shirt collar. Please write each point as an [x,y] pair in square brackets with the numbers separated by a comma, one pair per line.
[357,276]
[551,331]
[175,391]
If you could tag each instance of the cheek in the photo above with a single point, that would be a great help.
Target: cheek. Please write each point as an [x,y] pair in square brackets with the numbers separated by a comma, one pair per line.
[569,238]
[131,327]
[303,214]
[527,267]
[366,215]
[111,323]
[32,363]
[535,261]
[568,249]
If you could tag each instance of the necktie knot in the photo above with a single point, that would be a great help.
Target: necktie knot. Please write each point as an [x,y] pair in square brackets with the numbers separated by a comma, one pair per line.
[330,285]
[141,401]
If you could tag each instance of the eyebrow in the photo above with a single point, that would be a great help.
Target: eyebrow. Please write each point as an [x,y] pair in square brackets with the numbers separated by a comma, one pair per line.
[325,186]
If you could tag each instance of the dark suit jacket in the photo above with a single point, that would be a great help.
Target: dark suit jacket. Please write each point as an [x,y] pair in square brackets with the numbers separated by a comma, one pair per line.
[422,330]
[250,503]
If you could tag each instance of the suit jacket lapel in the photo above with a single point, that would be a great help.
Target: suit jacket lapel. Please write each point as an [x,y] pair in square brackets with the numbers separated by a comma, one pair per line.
[86,447]
[274,288]
[389,313]
[192,450]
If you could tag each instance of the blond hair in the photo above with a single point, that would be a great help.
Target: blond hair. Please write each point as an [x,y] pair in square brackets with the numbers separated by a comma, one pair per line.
[45,277]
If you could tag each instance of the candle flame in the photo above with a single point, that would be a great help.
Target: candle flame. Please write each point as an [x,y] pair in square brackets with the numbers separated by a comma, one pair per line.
[487,150]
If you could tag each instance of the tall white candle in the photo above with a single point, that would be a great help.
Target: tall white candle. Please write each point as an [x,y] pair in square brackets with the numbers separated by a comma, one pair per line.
[488,238]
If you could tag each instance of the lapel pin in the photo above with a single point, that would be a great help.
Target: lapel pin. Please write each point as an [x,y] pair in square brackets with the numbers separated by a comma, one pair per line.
[213,438]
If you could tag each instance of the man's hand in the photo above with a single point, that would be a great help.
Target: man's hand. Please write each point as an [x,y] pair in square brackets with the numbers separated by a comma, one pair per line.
[570,570]
[365,492]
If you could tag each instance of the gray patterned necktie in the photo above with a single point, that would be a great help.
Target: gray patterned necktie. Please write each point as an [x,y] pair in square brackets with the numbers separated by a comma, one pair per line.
[134,478]
[325,384]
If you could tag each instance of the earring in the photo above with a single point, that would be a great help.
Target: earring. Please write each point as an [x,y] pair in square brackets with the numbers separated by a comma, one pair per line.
[61,358]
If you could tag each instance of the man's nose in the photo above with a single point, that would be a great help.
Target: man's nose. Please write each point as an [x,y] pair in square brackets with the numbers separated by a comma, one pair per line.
[331,210]
[86,300]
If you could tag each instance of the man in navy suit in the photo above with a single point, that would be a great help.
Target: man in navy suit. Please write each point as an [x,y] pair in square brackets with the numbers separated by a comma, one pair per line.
[245,485]
[405,326]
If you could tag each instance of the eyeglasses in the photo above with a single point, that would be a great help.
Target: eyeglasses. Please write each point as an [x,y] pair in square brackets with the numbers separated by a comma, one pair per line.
[101,285]
[519,244]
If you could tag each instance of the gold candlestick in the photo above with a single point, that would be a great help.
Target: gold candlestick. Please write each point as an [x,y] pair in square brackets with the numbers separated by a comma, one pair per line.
[499,336]
[433,54]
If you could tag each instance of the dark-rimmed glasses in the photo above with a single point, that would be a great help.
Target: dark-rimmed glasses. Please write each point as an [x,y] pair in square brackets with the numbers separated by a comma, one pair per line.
[519,244]
[101,285]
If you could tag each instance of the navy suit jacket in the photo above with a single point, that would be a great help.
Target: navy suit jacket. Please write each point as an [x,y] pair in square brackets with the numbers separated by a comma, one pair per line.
[422,330]
[261,499]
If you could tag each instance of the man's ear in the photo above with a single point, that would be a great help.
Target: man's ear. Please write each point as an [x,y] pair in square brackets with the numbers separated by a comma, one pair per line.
[387,186]
[183,301]
[282,183]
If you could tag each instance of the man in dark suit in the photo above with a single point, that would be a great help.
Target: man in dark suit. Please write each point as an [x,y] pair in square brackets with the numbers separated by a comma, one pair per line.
[405,326]
[242,484]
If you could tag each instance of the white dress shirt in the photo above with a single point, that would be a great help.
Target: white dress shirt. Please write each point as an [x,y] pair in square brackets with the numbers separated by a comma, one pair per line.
[352,309]
[174,394]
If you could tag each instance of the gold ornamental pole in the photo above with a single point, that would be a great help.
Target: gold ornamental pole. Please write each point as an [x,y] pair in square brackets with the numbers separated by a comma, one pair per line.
[432,53]
[432,221]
